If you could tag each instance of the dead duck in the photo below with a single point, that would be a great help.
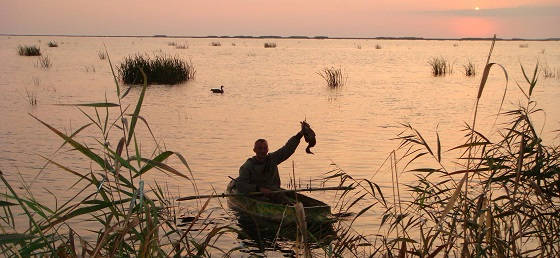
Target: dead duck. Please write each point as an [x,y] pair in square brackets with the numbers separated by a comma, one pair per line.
[309,136]
[220,90]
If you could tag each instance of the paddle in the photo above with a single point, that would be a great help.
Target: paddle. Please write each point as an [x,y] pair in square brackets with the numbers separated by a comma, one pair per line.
[261,193]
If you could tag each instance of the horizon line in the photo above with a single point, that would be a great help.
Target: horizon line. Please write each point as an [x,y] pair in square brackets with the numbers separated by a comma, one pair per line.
[282,37]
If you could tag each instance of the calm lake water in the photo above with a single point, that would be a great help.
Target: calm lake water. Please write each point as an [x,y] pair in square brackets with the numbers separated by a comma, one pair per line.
[267,92]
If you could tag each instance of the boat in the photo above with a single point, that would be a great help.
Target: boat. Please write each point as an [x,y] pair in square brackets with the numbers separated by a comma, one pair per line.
[315,211]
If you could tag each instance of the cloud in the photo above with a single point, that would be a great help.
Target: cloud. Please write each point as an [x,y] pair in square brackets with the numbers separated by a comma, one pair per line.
[527,10]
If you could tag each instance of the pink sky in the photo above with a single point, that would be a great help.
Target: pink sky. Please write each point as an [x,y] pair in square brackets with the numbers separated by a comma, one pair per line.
[335,18]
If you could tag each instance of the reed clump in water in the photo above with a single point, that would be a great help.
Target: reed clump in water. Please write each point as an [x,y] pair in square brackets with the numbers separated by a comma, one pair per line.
[29,50]
[126,216]
[182,46]
[44,62]
[377,46]
[160,69]
[101,54]
[215,44]
[31,97]
[269,44]
[440,66]
[52,44]
[334,77]
[470,69]
[549,72]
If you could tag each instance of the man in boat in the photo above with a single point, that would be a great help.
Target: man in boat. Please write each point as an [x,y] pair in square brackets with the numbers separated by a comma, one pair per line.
[260,172]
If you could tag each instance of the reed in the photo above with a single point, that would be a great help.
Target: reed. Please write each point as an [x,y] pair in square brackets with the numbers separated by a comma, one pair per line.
[160,69]
[334,77]
[127,217]
[29,50]
[509,189]
[171,43]
[31,97]
[440,66]
[215,44]
[52,44]
[377,46]
[44,62]
[269,44]
[524,45]
[182,46]
[549,72]
[470,69]
[89,68]
[101,54]
[497,197]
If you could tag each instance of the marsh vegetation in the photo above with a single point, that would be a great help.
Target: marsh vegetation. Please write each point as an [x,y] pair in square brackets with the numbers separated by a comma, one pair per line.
[440,66]
[470,69]
[24,50]
[31,97]
[160,69]
[44,62]
[269,44]
[101,54]
[182,46]
[550,72]
[334,77]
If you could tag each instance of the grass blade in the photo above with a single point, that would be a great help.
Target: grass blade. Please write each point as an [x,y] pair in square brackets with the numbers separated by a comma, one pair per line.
[137,109]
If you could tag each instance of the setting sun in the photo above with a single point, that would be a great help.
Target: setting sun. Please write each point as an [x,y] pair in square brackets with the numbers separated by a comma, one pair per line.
[476,8]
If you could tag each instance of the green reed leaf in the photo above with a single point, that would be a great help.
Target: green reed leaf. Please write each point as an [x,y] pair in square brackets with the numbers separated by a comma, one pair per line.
[5,203]
[98,104]
[84,150]
[137,109]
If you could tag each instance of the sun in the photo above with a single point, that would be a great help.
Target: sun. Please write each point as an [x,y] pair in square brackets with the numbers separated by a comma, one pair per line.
[476,8]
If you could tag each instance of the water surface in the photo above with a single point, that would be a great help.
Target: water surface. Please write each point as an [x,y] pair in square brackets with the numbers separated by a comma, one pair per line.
[267,92]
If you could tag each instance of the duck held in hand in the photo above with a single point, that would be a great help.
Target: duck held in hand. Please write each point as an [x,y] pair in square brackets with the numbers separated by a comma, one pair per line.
[309,136]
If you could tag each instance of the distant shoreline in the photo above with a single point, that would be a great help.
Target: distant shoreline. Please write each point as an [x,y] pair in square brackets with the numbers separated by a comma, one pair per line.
[276,37]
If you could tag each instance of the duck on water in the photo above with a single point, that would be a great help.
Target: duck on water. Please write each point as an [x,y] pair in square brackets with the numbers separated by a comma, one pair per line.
[220,90]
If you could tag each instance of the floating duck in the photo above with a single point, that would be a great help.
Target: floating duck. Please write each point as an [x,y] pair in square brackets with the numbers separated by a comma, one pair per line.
[220,90]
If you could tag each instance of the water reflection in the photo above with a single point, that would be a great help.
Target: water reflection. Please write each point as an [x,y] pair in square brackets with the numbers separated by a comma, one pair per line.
[260,236]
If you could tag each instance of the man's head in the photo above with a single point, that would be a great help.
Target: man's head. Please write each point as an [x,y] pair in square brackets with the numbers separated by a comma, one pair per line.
[261,148]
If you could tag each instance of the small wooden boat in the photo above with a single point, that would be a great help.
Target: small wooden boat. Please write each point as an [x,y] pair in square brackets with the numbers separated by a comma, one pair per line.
[315,210]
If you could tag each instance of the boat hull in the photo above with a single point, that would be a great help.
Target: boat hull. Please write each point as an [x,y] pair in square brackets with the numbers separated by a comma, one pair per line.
[315,210]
